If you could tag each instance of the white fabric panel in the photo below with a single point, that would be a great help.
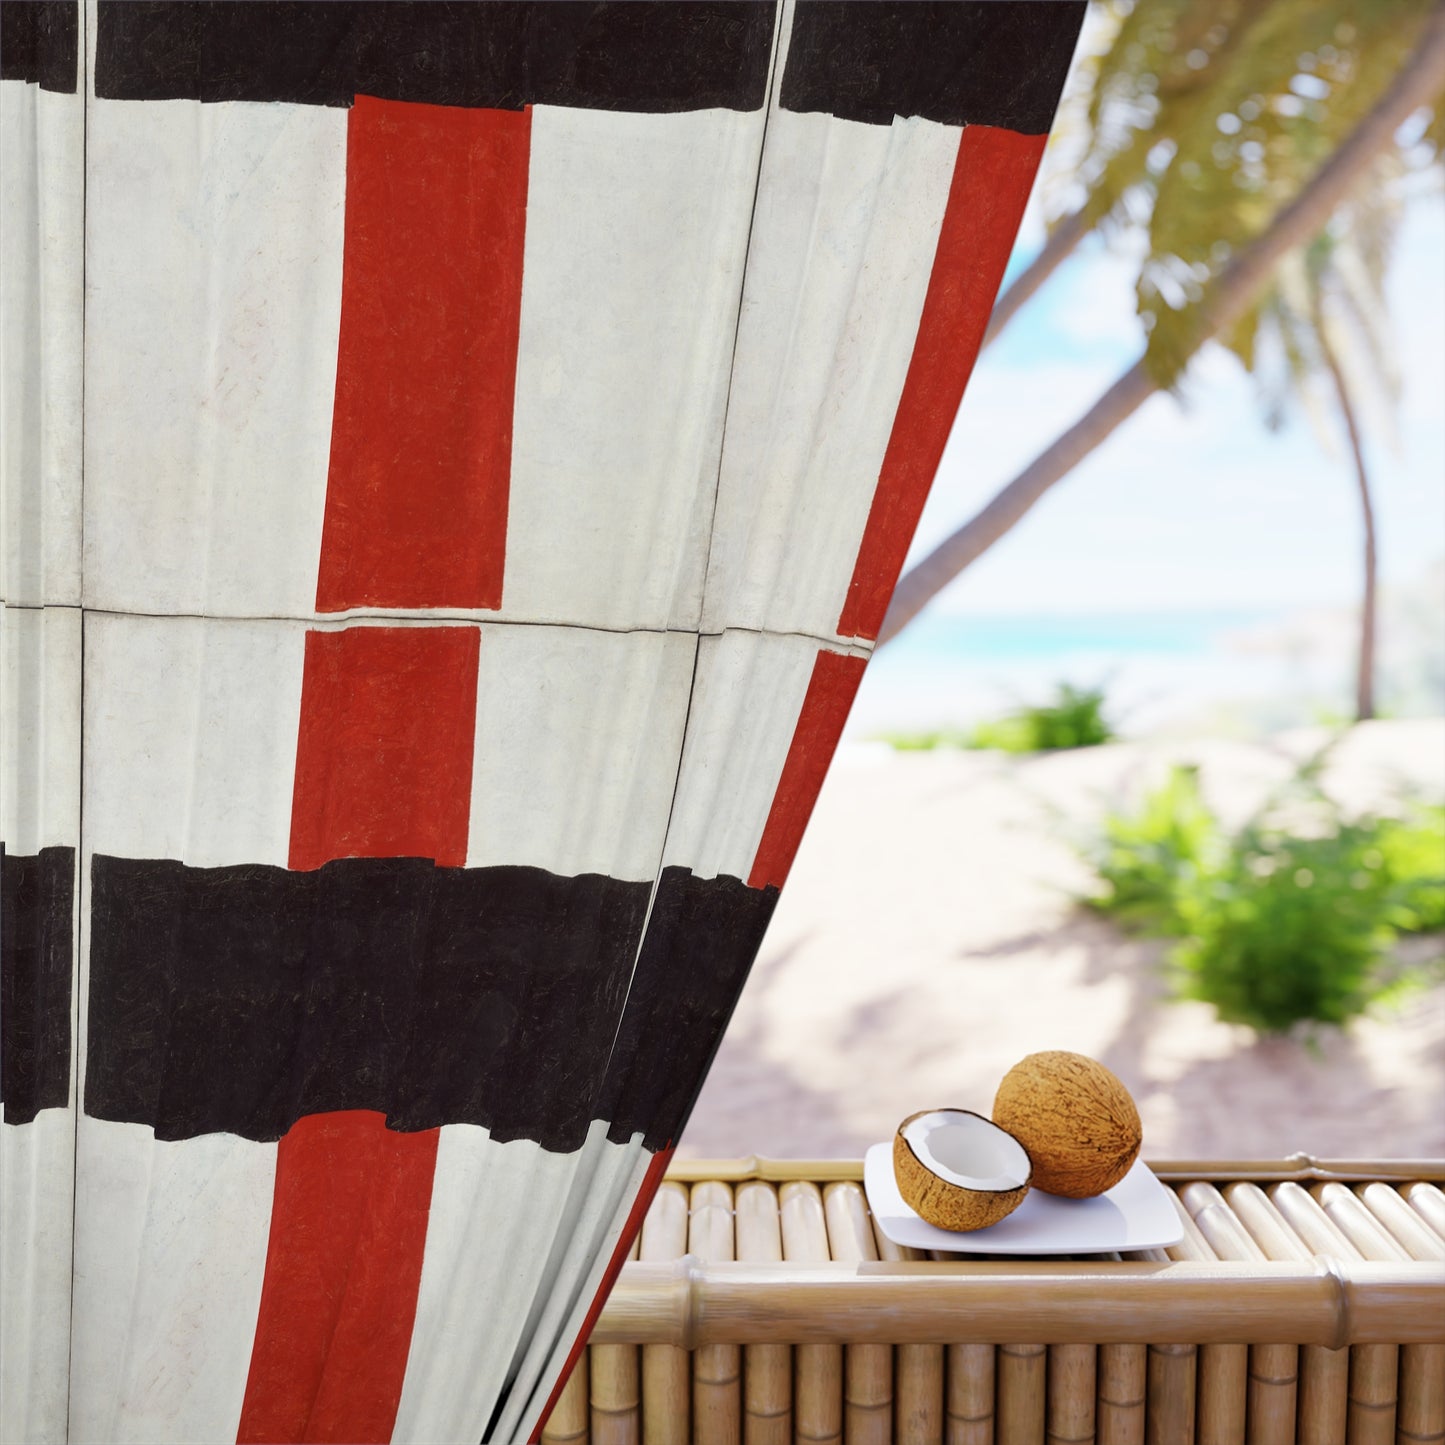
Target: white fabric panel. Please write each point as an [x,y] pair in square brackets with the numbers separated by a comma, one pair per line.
[214,249]
[847,223]
[190,738]
[37,1183]
[636,235]
[190,728]
[170,1249]
[586,1252]
[578,735]
[42,178]
[39,728]
[509,1243]
[750,690]
[39,808]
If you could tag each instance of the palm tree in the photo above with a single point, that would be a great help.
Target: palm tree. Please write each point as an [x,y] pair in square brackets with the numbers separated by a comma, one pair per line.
[1277,182]
[1323,312]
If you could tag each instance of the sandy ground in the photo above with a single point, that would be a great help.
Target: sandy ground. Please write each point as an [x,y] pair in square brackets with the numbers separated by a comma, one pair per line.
[927,940]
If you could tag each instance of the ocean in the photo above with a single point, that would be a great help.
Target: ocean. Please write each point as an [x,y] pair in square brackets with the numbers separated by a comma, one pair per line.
[1160,670]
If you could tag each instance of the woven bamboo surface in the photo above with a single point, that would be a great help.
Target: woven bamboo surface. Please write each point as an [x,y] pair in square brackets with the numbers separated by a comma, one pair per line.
[1305,1303]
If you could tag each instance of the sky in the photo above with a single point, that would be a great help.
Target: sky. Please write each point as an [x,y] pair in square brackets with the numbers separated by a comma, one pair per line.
[1194,503]
[1200,566]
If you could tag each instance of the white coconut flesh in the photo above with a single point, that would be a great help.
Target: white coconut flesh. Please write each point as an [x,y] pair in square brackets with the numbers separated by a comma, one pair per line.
[967,1150]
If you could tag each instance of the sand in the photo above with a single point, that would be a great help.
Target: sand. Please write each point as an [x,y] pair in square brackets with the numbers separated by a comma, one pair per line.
[928,939]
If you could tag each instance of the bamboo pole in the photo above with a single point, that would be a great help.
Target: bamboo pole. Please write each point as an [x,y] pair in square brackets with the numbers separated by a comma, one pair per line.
[921,1373]
[818,1368]
[1421,1414]
[867,1369]
[716,1369]
[767,1369]
[1302,1168]
[614,1378]
[568,1422]
[1020,1391]
[971,1394]
[1273,1368]
[919,1413]
[1404,1226]
[1173,1383]
[1329,1303]
[666,1369]
[1072,1381]
[1220,1373]
[1374,1369]
[1428,1202]
[1322,1408]
[1123,1372]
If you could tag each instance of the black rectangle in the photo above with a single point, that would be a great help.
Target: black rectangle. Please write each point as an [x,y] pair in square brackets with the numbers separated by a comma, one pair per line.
[37,954]
[702,937]
[672,55]
[958,62]
[39,42]
[239,999]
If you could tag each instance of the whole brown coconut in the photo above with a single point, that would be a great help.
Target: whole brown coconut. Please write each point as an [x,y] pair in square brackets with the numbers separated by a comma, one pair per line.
[1074,1117]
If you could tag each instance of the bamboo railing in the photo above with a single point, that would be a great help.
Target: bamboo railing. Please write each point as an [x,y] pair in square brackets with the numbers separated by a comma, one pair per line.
[1305,1302]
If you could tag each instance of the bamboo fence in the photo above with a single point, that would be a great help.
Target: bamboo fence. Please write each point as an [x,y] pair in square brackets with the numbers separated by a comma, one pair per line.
[1305,1303]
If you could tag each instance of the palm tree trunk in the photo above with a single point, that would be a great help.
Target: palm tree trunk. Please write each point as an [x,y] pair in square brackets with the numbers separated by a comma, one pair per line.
[1057,249]
[1365,664]
[1418,84]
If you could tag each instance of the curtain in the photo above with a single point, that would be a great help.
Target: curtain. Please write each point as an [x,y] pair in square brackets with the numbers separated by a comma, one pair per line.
[457,459]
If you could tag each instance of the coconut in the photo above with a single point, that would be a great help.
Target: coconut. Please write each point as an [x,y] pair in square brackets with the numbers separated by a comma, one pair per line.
[1074,1117]
[957,1170]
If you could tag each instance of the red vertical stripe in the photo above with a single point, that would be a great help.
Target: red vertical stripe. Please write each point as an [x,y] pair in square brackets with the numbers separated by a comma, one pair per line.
[991,182]
[383,769]
[655,1170]
[431,300]
[384,757]
[831,689]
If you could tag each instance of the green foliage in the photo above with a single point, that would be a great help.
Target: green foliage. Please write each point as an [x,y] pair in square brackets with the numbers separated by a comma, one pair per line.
[1413,850]
[1290,919]
[926,742]
[1074,719]
[1150,861]
[1203,119]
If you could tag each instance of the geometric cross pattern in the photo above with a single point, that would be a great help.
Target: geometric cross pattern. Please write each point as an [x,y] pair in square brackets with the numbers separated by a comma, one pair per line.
[502,429]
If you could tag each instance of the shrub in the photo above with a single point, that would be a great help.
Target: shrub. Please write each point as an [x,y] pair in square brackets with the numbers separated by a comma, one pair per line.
[1290,919]
[1149,861]
[1074,719]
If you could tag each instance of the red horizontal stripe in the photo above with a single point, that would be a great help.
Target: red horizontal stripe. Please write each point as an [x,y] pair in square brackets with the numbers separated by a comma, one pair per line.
[992,178]
[431,299]
[830,694]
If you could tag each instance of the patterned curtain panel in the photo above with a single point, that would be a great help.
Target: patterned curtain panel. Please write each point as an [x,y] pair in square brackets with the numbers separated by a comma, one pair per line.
[456,460]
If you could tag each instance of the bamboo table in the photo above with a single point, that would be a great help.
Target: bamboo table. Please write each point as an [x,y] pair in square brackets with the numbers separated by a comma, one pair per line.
[1305,1303]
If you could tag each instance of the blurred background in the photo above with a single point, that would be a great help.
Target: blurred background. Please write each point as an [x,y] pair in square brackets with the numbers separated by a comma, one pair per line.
[1151,761]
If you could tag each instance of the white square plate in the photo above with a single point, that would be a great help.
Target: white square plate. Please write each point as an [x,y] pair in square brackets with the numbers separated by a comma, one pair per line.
[1137,1213]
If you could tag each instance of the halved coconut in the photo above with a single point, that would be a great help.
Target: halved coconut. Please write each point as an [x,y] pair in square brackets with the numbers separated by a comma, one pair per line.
[958,1170]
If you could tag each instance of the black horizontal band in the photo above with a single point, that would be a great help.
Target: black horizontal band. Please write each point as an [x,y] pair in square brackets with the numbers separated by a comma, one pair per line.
[669,55]
[959,62]
[37,952]
[39,41]
[240,999]
[702,937]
